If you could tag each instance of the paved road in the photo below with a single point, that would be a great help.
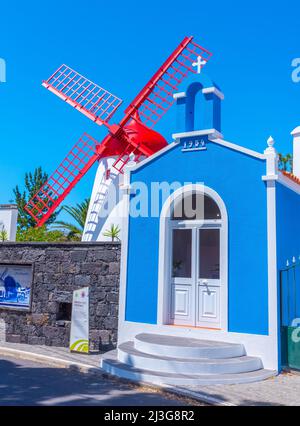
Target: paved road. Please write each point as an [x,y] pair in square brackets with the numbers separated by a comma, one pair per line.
[31,383]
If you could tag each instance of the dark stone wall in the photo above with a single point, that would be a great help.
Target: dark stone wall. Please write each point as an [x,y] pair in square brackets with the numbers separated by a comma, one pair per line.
[58,270]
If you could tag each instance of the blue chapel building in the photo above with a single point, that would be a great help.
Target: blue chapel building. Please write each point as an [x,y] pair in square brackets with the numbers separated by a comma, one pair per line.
[200,294]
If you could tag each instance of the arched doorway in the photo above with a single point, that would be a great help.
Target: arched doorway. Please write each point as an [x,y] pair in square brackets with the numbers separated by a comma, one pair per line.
[194,257]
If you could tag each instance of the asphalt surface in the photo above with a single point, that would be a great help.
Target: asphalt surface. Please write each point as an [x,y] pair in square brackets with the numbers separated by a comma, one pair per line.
[28,383]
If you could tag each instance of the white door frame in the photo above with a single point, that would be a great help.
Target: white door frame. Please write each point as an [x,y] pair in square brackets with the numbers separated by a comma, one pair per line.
[163,306]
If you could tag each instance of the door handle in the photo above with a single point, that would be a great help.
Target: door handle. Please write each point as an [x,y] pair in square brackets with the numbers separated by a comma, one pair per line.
[205,282]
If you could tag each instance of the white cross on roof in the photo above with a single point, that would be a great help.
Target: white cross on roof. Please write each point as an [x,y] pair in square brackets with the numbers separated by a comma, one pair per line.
[199,64]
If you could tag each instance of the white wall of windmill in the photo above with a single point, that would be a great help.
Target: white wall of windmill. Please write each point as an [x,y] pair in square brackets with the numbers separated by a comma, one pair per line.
[105,205]
[8,221]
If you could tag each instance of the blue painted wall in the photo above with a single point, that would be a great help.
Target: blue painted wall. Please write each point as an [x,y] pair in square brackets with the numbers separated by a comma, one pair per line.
[288,246]
[237,179]
[288,225]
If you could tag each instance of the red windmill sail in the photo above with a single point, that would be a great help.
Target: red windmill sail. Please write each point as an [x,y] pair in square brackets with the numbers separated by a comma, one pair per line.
[134,133]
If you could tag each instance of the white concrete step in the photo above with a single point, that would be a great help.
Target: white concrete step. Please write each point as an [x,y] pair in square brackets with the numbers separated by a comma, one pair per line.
[182,347]
[111,365]
[128,354]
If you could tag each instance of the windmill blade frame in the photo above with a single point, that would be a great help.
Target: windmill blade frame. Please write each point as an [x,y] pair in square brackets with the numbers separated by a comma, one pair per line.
[156,98]
[70,171]
[96,103]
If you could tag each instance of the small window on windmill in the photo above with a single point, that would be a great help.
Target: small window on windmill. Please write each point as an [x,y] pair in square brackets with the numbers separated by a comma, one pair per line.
[107,174]
[64,312]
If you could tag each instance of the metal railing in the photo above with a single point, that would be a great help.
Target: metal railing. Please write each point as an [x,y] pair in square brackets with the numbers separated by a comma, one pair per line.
[290,292]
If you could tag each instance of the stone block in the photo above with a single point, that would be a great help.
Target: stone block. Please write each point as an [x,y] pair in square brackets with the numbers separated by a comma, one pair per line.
[35,340]
[110,323]
[13,338]
[104,255]
[114,268]
[37,319]
[92,268]
[54,255]
[113,297]
[102,310]
[62,296]
[82,280]
[78,255]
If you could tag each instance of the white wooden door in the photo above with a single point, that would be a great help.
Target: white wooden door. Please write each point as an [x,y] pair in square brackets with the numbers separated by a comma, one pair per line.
[182,307]
[208,286]
[195,277]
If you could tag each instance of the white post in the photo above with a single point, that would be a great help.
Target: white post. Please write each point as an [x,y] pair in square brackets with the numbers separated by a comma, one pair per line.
[272,159]
[270,179]
[296,151]
[8,220]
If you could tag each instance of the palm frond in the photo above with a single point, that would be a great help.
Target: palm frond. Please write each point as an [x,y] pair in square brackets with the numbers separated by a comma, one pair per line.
[67,226]
[79,214]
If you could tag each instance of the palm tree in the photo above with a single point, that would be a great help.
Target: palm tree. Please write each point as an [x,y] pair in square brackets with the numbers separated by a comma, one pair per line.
[79,214]
[285,162]
[113,232]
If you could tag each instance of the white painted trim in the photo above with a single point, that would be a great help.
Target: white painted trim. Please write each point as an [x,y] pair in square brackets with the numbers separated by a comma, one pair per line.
[213,136]
[215,91]
[239,148]
[179,95]
[296,151]
[165,249]
[210,132]
[272,271]
[288,183]
[269,177]
[154,156]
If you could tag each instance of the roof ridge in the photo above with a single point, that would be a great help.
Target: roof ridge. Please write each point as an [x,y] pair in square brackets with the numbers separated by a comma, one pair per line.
[291,176]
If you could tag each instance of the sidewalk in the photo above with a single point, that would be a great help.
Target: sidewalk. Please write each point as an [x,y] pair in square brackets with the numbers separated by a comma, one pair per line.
[281,390]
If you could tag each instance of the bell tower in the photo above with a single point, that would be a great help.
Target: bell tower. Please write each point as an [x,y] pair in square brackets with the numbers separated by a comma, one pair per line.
[199,106]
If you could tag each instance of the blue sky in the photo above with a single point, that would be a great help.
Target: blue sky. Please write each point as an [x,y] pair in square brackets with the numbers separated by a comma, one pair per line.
[120,45]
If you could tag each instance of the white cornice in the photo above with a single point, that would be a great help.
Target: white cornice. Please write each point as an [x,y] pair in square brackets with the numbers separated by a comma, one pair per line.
[209,132]
[213,90]
[213,136]
[239,148]
[267,178]
[179,95]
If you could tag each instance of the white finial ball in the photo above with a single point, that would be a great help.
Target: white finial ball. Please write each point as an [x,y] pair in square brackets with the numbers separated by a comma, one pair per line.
[132,156]
[270,142]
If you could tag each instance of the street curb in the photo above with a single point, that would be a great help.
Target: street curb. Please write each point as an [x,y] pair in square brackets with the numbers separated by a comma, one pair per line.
[88,369]
[184,393]
[50,360]
[211,400]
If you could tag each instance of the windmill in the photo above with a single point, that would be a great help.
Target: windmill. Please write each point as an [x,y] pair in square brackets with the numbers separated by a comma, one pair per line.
[132,137]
